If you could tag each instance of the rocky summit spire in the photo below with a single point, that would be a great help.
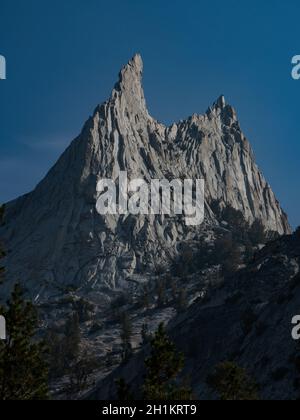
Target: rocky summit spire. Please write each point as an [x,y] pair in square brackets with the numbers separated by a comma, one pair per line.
[222,109]
[129,86]
[131,75]
[221,102]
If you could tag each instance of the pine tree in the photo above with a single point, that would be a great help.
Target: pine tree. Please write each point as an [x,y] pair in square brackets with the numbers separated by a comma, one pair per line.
[80,372]
[145,334]
[64,348]
[228,255]
[56,358]
[123,390]
[257,233]
[2,253]
[126,333]
[239,227]
[72,339]
[23,370]
[232,383]
[182,301]
[161,292]
[145,298]
[163,368]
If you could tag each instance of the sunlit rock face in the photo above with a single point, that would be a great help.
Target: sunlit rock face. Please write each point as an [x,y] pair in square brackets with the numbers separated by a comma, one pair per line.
[54,235]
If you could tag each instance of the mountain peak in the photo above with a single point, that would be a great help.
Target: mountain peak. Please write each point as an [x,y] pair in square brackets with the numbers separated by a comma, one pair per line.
[136,62]
[131,74]
[223,110]
[70,242]
[129,89]
[221,102]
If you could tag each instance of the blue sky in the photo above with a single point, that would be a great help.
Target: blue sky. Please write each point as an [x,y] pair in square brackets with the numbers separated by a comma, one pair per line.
[63,58]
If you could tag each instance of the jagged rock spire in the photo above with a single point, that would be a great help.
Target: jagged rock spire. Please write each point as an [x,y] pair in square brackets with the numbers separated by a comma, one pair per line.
[221,102]
[131,73]
[129,87]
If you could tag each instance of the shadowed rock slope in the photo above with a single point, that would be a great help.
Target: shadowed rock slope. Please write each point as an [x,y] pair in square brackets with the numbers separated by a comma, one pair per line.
[247,321]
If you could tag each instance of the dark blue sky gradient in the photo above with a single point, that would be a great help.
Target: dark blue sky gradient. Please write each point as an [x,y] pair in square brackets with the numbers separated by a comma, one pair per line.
[63,58]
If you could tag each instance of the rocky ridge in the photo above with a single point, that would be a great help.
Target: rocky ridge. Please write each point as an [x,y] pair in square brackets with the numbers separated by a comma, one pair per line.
[56,239]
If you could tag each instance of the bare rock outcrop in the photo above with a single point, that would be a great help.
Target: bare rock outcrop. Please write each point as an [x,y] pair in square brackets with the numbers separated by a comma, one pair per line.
[56,238]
